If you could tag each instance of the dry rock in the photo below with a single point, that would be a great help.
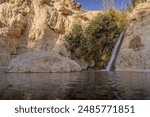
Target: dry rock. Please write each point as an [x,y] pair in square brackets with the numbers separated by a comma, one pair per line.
[134,53]
[28,25]
[42,61]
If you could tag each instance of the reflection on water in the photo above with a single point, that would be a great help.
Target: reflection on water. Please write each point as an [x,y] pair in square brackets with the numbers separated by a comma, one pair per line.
[84,85]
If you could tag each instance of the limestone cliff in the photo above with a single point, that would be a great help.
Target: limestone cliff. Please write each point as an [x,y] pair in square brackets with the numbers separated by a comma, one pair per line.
[134,53]
[27,25]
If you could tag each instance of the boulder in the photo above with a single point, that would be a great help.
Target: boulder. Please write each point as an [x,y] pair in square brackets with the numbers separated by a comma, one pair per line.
[42,61]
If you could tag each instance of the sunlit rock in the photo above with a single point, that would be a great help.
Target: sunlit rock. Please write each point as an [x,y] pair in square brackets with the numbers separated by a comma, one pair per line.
[42,61]
[134,53]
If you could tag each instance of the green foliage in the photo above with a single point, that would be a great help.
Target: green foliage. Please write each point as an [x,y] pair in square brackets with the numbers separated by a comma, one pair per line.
[98,39]
[75,39]
[102,34]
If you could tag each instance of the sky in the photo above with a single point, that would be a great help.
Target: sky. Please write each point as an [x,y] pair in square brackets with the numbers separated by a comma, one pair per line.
[96,4]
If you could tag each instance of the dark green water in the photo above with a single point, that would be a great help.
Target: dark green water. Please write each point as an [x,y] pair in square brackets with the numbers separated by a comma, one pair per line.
[84,85]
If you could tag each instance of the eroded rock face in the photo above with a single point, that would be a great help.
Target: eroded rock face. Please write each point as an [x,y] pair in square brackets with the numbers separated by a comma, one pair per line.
[12,25]
[42,61]
[135,49]
[28,25]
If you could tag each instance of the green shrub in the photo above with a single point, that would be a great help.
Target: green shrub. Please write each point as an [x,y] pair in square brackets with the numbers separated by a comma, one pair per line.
[75,39]
[102,34]
[98,39]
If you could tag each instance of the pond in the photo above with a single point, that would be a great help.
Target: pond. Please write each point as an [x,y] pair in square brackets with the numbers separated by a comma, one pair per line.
[88,85]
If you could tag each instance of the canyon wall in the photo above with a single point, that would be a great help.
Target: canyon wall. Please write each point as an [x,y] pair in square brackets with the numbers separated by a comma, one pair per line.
[29,25]
[134,53]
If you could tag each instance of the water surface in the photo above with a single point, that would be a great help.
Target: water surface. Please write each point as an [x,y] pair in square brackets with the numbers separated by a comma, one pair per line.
[80,85]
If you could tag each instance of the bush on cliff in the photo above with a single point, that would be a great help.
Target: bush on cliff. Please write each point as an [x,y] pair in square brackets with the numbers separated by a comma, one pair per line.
[74,40]
[102,34]
[98,39]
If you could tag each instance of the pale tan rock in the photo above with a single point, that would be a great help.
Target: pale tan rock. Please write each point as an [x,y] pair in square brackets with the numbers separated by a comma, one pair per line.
[135,49]
[60,48]
[42,61]
[27,25]
[12,26]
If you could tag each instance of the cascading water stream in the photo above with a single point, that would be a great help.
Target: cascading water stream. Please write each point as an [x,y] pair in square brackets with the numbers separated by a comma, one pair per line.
[114,53]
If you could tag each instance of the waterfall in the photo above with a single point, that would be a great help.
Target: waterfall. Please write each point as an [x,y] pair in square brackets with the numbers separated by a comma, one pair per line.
[114,53]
